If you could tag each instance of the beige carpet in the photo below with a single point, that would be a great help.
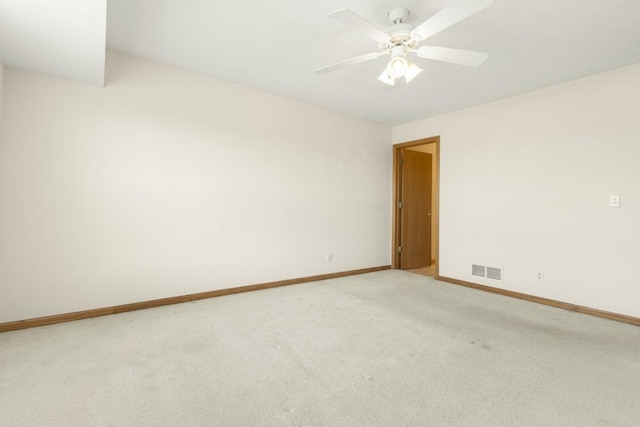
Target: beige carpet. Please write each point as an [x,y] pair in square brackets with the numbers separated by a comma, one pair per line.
[382,349]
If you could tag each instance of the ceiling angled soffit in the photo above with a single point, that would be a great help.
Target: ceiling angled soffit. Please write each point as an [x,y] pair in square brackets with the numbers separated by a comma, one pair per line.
[61,38]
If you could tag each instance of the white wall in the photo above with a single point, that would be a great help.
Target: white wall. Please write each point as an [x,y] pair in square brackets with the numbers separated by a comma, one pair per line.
[525,185]
[166,182]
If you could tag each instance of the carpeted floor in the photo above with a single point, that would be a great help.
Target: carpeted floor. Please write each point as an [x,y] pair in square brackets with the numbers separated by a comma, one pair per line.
[383,349]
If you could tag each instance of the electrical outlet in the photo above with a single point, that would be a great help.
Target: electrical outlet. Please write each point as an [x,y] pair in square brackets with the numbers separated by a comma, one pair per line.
[329,256]
[540,275]
[614,201]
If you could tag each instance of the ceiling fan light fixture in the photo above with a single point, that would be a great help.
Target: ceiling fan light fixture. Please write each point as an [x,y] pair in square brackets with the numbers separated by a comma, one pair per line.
[387,78]
[402,38]
[397,67]
[412,72]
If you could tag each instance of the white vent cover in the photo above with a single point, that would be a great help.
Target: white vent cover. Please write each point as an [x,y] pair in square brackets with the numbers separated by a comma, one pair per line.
[494,273]
[478,270]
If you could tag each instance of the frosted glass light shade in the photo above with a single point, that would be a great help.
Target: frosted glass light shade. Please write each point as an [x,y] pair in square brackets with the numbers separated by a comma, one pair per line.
[386,78]
[397,67]
[412,72]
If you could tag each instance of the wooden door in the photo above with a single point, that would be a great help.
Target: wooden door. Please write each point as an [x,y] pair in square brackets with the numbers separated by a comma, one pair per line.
[415,209]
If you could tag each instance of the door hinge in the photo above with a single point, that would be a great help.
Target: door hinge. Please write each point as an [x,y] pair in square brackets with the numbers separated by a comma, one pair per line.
[399,249]
[401,161]
[399,205]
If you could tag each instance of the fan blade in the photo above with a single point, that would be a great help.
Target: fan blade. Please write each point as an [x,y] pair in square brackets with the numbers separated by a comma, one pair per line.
[455,56]
[356,21]
[352,61]
[455,12]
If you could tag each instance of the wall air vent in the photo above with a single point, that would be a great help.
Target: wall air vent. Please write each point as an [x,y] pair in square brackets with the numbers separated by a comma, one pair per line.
[494,273]
[478,270]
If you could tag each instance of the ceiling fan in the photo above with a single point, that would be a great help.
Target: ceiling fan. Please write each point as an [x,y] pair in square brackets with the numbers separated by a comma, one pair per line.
[401,38]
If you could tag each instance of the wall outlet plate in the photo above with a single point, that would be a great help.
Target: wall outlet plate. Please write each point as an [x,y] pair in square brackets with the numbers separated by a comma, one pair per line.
[614,201]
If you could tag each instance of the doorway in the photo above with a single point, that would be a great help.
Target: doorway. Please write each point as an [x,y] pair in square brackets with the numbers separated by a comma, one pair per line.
[416,166]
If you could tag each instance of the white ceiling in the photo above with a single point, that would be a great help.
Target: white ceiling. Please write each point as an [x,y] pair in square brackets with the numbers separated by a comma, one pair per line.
[275,46]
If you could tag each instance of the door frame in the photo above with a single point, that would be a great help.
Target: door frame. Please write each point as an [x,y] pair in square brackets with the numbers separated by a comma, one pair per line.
[435,200]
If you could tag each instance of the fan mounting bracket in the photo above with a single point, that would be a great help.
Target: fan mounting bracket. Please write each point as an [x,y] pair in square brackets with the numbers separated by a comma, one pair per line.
[398,15]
